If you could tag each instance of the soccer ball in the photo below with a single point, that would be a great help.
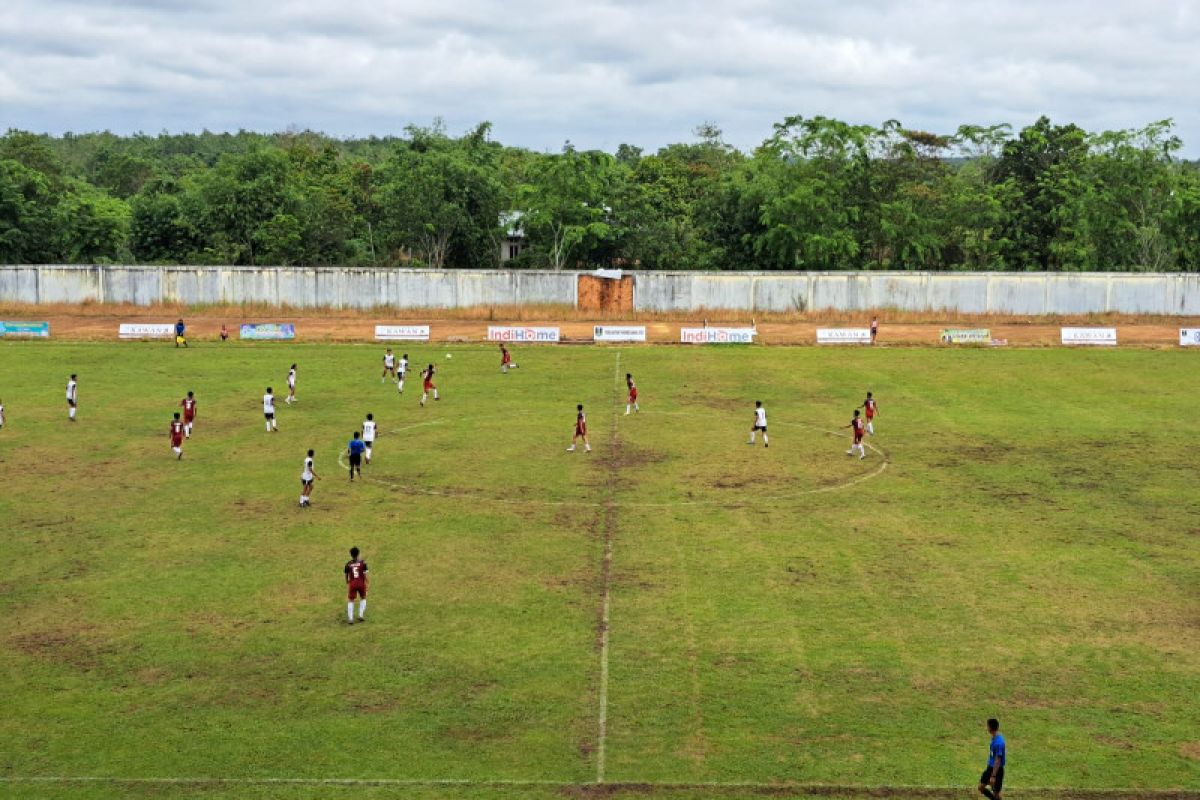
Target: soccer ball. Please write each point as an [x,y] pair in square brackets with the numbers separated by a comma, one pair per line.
[448,355]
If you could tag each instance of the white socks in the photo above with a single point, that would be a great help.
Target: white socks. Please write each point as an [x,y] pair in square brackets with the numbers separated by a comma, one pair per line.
[268,426]
[350,611]
[368,455]
[400,385]
[362,608]
[871,428]
[435,394]
[71,412]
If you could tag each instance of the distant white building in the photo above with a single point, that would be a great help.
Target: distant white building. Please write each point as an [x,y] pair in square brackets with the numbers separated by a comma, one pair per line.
[514,235]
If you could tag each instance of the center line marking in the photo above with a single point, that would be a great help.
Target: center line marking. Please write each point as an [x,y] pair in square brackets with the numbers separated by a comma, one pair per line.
[606,575]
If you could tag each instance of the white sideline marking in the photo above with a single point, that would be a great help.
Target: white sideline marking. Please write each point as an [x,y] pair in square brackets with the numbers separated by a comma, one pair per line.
[728,503]
[513,783]
[605,605]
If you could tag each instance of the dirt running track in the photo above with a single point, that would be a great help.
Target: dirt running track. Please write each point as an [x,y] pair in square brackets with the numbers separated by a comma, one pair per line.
[99,323]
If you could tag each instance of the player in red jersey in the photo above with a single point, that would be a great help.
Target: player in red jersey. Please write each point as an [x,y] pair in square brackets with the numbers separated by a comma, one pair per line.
[632,403]
[427,376]
[871,408]
[189,413]
[356,586]
[874,329]
[580,431]
[857,425]
[506,362]
[177,437]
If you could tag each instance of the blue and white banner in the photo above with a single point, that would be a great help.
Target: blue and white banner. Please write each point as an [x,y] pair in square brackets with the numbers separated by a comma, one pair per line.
[38,329]
[269,330]
[843,335]
[1106,337]
[619,333]
[145,330]
[1189,337]
[402,333]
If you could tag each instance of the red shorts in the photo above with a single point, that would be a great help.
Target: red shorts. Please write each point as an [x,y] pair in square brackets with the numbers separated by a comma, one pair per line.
[176,441]
[633,395]
[870,415]
[581,430]
[857,438]
[356,589]
[189,418]
[429,386]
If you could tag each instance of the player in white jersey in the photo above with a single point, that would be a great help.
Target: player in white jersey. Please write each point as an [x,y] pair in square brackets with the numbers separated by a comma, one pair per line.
[1,413]
[291,398]
[269,410]
[72,397]
[389,365]
[760,423]
[401,371]
[306,480]
[369,435]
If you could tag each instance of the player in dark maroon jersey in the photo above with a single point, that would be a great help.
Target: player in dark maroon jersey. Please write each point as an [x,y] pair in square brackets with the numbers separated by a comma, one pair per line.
[177,437]
[506,362]
[189,413]
[580,431]
[632,403]
[356,586]
[859,429]
[871,408]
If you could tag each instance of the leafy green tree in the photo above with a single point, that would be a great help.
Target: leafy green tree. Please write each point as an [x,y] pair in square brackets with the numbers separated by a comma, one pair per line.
[94,227]
[27,215]
[567,206]
[439,197]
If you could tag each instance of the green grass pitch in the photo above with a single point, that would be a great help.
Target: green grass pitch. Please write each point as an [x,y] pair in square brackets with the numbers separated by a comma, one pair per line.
[1022,542]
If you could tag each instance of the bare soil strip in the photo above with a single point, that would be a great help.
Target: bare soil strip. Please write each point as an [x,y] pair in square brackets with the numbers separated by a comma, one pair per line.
[97,322]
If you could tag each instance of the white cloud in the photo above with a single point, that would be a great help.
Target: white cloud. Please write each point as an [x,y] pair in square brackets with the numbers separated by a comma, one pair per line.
[598,72]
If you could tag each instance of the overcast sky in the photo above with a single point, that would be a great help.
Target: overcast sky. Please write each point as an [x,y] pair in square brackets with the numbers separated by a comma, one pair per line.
[597,72]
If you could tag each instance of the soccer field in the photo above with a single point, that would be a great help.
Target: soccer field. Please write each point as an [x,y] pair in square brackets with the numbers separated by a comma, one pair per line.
[675,613]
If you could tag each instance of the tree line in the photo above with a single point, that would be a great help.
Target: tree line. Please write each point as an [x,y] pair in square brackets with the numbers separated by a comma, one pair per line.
[818,194]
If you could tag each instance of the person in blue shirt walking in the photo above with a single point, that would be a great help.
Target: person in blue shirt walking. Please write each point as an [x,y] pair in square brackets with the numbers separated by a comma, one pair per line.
[991,782]
[179,337]
[355,449]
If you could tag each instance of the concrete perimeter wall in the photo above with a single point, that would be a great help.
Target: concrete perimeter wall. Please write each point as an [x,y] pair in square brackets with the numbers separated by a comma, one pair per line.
[1033,293]
[335,287]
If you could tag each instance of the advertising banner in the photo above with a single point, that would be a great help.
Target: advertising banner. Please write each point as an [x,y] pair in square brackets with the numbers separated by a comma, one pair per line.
[269,330]
[146,330]
[39,329]
[402,333]
[717,335]
[502,333]
[967,336]
[843,335]
[1189,337]
[1100,336]
[619,333]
